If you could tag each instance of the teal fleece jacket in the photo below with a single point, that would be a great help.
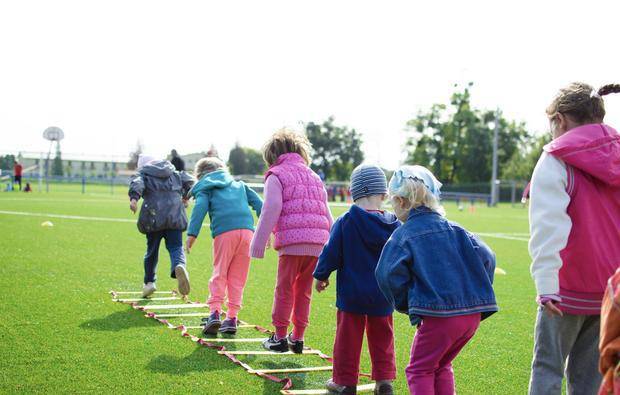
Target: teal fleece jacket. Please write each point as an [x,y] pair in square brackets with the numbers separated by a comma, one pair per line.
[226,201]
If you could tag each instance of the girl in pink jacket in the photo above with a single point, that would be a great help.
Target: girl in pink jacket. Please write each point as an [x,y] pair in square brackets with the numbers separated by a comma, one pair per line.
[575,238]
[295,210]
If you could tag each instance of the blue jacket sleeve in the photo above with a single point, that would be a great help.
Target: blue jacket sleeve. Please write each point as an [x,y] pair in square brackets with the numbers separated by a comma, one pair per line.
[201,208]
[254,200]
[394,275]
[136,187]
[331,257]
[486,255]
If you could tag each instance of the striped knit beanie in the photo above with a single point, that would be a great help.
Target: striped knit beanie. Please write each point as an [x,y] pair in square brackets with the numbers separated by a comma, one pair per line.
[367,180]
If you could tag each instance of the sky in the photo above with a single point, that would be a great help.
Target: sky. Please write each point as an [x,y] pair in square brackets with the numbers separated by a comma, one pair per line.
[188,74]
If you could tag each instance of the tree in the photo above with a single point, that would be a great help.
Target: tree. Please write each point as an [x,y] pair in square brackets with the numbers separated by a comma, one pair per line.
[7,162]
[57,169]
[456,141]
[337,149]
[237,160]
[244,160]
[521,164]
[134,155]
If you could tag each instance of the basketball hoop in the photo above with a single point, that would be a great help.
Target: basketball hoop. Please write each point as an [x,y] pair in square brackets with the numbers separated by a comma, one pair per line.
[53,133]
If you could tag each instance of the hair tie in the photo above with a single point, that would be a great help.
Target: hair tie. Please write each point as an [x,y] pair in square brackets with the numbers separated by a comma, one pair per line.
[594,93]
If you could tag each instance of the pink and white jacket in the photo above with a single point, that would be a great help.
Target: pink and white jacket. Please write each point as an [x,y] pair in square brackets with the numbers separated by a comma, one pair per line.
[575,217]
[295,209]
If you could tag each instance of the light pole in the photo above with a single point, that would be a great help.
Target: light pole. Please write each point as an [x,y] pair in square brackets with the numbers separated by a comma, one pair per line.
[494,180]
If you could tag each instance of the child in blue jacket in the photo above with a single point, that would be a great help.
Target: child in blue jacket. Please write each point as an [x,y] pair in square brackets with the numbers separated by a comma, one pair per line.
[354,247]
[439,274]
[232,226]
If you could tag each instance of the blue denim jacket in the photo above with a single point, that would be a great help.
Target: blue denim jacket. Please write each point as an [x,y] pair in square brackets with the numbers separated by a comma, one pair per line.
[433,267]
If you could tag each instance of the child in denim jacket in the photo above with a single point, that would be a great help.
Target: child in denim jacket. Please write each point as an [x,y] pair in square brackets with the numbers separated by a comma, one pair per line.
[439,274]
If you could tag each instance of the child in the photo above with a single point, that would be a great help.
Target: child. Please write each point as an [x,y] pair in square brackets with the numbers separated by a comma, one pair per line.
[575,242]
[232,227]
[162,216]
[609,362]
[296,211]
[354,247]
[439,274]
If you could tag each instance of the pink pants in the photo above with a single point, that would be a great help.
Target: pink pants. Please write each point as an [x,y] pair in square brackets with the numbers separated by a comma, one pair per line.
[231,264]
[293,294]
[348,347]
[437,342]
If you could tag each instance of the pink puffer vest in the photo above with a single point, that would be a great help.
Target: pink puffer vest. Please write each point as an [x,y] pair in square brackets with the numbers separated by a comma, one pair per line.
[592,254]
[304,216]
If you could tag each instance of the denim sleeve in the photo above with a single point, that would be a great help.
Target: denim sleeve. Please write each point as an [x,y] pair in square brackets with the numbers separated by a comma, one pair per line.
[486,255]
[393,275]
[254,200]
[331,257]
[201,208]
[136,187]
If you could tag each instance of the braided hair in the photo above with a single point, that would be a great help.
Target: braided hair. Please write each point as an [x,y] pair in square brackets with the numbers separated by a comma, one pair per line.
[581,102]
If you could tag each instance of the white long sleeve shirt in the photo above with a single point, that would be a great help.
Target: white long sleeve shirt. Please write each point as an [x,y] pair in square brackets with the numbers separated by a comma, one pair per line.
[550,224]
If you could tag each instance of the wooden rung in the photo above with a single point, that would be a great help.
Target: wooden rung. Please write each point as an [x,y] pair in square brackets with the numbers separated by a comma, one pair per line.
[140,292]
[202,326]
[293,370]
[313,352]
[181,315]
[233,340]
[175,306]
[360,388]
[145,299]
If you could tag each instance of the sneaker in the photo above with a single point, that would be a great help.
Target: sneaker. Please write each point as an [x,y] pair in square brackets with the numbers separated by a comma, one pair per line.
[182,278]
[272,344]
[384,388]
[296,346]
[229,326]
[334,388]
[148,290]
[212,324]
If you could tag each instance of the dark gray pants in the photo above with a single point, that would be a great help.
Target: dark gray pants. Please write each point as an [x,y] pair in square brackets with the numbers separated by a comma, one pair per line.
[572,337]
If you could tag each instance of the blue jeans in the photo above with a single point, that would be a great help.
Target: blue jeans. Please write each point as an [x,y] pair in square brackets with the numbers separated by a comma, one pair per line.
[566,345]
[174,245]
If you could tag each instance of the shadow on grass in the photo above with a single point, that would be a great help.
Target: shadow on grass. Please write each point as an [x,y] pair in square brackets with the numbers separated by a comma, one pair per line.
[202,359]
[119,321]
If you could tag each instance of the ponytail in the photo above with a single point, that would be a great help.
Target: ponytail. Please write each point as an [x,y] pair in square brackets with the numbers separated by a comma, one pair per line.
[609,88]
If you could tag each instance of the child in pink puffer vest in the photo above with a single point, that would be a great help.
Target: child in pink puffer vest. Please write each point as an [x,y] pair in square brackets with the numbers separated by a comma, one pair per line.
[575,238]
[295,210]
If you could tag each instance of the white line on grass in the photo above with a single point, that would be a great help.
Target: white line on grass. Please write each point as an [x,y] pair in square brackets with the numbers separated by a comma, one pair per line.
[76,217]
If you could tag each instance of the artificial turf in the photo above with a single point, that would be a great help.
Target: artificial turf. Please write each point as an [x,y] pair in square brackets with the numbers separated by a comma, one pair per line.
[60,331]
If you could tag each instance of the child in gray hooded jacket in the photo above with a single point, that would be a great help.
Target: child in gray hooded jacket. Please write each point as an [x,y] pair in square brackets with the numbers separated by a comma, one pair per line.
[162,216]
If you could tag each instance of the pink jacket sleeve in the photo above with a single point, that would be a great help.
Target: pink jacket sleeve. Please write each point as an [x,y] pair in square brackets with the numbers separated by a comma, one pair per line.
[272,207]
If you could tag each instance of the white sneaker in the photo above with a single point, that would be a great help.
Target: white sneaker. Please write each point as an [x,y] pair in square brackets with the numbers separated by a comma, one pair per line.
[182,278]
[148,290]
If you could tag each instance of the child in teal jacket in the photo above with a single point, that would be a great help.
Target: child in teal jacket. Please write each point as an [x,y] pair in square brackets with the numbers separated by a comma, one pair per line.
[232,226]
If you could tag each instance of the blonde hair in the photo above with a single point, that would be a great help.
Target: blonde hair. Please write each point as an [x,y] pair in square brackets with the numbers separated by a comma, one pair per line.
[286,141]
[207,165]
[417,194]
[581,102]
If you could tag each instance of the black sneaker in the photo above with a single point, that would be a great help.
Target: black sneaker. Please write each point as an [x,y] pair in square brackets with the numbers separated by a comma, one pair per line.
[384,388]
[333,388]
[296,346]
[229,326]
[212,324]
[272,344]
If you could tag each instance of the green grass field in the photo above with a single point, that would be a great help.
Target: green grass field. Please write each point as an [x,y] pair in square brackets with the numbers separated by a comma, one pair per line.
[60,331]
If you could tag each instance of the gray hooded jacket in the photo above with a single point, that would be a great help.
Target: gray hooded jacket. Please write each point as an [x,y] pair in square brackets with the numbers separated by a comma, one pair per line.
[162,188]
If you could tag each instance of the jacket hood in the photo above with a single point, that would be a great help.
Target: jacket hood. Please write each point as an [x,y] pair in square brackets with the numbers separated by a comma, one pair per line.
[213,180]
[593,149]
[159,169]
[374,228]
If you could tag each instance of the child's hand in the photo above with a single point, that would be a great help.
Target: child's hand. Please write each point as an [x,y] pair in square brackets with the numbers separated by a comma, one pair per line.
[320,286]
[189,243]
[133,205]
[551,309]
[269,241]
